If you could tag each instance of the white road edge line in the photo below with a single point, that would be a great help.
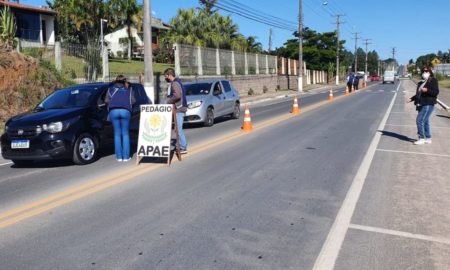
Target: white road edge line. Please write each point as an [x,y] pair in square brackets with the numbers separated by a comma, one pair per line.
[330,249]
[413,153]
[413,126]
[4,164]
[435,239]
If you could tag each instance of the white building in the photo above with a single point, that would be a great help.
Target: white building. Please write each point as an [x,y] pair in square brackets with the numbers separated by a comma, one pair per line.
[113,39]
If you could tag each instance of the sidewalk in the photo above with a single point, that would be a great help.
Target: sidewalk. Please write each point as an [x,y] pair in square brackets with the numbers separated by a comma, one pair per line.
[288,93]
[404,209]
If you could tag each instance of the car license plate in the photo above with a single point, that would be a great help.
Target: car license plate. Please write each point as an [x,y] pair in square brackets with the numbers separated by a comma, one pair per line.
[20,144]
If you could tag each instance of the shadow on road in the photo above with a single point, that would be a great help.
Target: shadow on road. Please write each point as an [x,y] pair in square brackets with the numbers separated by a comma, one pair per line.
[443,116]
[396,135]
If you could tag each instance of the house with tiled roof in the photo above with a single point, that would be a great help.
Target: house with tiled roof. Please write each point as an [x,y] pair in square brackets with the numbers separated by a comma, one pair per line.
[35,25]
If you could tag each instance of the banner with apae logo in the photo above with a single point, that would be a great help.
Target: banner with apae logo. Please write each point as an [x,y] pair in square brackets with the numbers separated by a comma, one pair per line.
[155,128]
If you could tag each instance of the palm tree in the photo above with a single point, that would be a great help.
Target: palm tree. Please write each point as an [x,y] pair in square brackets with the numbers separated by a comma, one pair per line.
[253,46]
[124,11]
[208,5]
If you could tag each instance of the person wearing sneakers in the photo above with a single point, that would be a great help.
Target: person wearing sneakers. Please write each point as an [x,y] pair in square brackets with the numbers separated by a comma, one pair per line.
[424,99]
[120,100]
[177,96]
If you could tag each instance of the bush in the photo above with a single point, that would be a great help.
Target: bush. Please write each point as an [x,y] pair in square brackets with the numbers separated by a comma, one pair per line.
[119,54]
[439,76]
[250,92]
[34,52]
[265,89]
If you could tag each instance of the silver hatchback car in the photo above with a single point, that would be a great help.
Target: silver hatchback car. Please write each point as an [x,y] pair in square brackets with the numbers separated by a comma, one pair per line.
[209,99]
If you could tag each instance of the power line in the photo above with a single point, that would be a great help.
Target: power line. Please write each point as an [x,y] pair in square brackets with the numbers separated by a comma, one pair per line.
[248,15]
[256,12]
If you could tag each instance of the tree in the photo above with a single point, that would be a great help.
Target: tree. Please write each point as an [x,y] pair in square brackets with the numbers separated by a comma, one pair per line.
[319,49]
[425,60]
[197,27]
[208,6]
[79,20]
[7,29]
[124,11]
[253,46]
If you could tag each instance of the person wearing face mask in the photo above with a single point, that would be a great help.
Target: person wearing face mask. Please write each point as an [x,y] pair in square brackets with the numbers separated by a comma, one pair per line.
[177,96]
[424,99]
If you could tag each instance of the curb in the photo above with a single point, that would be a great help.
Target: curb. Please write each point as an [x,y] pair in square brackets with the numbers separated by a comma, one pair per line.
[312,90]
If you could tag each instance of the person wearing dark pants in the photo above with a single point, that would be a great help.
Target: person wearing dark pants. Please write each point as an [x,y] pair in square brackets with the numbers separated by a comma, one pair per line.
[177,96]
[425,99]
[120,100]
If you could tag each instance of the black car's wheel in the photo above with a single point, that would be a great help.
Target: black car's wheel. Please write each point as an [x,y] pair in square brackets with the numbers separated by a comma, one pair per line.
[85,149]
[22,162]
[209,119]
[237,111]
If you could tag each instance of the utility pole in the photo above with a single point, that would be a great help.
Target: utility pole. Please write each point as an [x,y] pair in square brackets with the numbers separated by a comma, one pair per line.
[300,46]
[270,40]
[393,57]
[338,22]
[356,50]
[148,62]
[365,70]
[378,70]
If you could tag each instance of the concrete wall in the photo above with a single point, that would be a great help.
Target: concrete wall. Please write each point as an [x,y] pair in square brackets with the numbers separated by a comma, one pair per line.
[241,83]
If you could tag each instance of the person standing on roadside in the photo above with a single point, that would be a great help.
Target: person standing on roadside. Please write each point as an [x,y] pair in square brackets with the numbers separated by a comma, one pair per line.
[120,100]
[350,82]
[177,96]
[355,82]
[424,99]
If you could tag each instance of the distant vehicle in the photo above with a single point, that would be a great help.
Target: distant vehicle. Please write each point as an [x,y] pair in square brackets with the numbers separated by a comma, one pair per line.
[209,99]
[374,78]
[396,77]
[70,123]
[389,76]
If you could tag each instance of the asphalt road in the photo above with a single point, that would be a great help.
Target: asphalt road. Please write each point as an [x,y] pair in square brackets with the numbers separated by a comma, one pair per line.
[262,200]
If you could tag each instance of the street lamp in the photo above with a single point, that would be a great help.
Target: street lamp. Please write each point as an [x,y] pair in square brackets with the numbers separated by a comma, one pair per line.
[101,33]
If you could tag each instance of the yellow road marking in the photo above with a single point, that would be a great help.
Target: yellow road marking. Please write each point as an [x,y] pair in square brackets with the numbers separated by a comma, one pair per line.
[40,206]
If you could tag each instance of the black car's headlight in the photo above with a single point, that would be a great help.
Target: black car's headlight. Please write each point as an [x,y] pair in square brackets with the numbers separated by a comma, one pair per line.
[56,127]
[195,104]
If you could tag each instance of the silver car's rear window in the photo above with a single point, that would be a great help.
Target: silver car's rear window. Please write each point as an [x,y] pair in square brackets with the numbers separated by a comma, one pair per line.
[196,89]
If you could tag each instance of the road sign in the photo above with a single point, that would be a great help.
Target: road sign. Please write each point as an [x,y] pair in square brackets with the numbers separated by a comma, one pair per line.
[435,62]
[155,128]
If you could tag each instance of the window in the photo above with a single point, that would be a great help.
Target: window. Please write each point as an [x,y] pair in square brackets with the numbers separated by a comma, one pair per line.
[217,89]
[226,86]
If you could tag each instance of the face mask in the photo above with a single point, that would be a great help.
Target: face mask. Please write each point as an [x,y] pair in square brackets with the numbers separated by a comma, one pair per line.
[167,80]
[426,75]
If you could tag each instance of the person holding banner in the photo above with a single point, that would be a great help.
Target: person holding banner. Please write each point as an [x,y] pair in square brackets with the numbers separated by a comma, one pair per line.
[120,100]
[177,96]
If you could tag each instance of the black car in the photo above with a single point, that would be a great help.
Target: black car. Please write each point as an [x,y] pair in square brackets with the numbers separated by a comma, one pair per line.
[70,123]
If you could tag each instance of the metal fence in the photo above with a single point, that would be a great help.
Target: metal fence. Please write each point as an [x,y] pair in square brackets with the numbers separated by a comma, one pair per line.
[443,69]
[81,63]
[194,60]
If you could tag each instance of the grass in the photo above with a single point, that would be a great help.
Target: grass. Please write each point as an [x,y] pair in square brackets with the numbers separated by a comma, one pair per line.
[73,67]
[445,83]
[134,66]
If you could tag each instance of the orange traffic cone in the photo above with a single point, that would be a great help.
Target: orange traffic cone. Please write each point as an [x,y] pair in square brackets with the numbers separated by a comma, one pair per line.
[330,95]
[353,89]
[295,108]
[346,90]
[247,125]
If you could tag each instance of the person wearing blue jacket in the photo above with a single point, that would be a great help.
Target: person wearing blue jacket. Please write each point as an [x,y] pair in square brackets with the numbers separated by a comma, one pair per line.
[120,100]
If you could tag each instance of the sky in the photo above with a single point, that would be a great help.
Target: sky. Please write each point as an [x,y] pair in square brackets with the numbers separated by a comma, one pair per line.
[410,27]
